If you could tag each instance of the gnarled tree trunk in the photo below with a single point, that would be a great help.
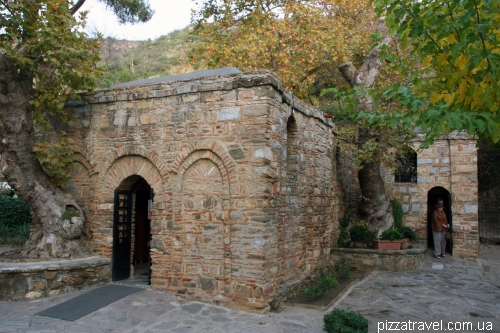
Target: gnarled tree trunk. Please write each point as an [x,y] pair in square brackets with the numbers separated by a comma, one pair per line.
[375,206]
[54,237]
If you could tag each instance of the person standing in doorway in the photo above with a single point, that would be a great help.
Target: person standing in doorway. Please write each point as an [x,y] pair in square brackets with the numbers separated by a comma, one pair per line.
[439,227]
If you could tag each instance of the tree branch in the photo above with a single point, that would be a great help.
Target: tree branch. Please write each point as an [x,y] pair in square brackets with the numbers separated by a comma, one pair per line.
[77,6]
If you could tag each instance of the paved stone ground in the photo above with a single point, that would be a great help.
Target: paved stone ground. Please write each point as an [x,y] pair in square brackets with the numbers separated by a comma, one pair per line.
[440,289]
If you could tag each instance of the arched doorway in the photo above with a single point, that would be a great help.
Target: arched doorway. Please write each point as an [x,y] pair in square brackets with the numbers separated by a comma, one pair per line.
[131,231]
[432,198]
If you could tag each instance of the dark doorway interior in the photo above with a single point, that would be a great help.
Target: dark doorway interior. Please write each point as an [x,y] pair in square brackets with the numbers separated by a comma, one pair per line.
[432,198]
[131,232]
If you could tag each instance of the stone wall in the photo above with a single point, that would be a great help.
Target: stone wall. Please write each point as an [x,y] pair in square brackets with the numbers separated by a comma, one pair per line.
[243,186]
[450,164]
[381,260]
[29,280]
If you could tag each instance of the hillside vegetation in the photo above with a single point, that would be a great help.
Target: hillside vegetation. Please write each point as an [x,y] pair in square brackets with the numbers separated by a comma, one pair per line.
[123,60]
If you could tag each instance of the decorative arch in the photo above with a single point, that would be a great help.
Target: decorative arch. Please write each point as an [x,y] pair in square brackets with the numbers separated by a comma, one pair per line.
[131,150]
[201,206]
[131,165]
[218,151]
[207,155]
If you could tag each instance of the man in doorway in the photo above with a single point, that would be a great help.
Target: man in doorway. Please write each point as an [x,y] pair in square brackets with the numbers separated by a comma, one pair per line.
[439,227]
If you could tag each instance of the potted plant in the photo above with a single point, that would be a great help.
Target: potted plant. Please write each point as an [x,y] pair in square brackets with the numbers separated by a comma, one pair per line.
[389,240]
[361,236]
[409,236]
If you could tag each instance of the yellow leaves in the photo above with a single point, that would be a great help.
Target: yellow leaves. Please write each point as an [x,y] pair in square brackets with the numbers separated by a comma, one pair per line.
[304,40]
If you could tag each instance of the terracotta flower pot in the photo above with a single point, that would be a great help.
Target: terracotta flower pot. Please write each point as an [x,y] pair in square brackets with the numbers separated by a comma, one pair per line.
[387,245]
[406,243]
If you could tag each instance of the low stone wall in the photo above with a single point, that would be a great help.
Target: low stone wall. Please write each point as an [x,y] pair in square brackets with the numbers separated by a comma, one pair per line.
[381,260]
[28,280]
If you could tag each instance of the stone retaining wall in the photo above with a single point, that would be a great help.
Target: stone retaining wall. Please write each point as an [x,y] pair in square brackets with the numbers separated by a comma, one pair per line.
[381,260]
[28,280]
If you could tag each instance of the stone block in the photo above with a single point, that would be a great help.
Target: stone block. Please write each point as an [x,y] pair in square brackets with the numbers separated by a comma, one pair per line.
[424,161]
[240,290]
[237,153]
[256,110]
[229,114]
[146,119]
[470,209]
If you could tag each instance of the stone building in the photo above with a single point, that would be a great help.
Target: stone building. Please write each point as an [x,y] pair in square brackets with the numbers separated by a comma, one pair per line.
[223,183]
[447,170]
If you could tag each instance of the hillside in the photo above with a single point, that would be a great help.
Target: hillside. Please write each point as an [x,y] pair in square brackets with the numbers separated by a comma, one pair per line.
[123,60]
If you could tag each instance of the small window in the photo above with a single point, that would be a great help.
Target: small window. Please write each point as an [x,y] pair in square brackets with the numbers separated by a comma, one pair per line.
[406,170]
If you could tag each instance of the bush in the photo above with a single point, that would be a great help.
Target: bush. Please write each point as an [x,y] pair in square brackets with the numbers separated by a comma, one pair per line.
[342,268]
[391,234]
[397,213]
[14,211]
[360,233]
[408,232]
[326,282]
[340,321]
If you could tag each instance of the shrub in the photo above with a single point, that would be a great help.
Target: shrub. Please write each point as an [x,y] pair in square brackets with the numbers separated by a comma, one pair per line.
[14,211]
[391,234]
[342,268]
[360,233]
[344,221]
[342,241]
[397,213]
[408,232]
[326,282]
[340,321]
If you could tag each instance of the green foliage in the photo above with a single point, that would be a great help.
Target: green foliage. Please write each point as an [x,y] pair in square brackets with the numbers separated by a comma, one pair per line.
[42,39]
[361,233]
[344,221]
[408,232]
[56,158]
[70,212]
[397,213]
[391,234]
[15,221]
[340,321]
[343,268]
[123,61]
[14,211]
[343,240]
[326,281]
[453,79]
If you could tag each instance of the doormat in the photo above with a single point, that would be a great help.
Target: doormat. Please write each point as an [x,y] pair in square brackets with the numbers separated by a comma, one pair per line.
[89,302]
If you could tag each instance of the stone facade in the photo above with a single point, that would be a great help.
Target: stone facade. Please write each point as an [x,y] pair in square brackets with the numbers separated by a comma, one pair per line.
[244,193]
[447,169]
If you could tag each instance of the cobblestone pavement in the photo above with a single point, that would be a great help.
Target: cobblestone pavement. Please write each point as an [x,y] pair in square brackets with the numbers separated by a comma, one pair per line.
[440,289]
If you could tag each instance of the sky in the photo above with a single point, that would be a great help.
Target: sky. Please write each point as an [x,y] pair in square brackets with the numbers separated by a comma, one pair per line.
[169,15]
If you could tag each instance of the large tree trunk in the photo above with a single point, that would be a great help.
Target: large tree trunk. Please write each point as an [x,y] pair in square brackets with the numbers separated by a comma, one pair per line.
[53,237]
[375,206]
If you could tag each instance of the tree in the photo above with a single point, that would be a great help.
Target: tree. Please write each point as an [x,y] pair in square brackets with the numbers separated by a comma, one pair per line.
[44,60]
[457,84]
[301,41]
[305,42]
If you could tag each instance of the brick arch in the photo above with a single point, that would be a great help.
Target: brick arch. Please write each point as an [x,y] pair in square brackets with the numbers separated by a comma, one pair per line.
[207,155]
[150,155]
[218,150]
[78,157]
[131,165]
